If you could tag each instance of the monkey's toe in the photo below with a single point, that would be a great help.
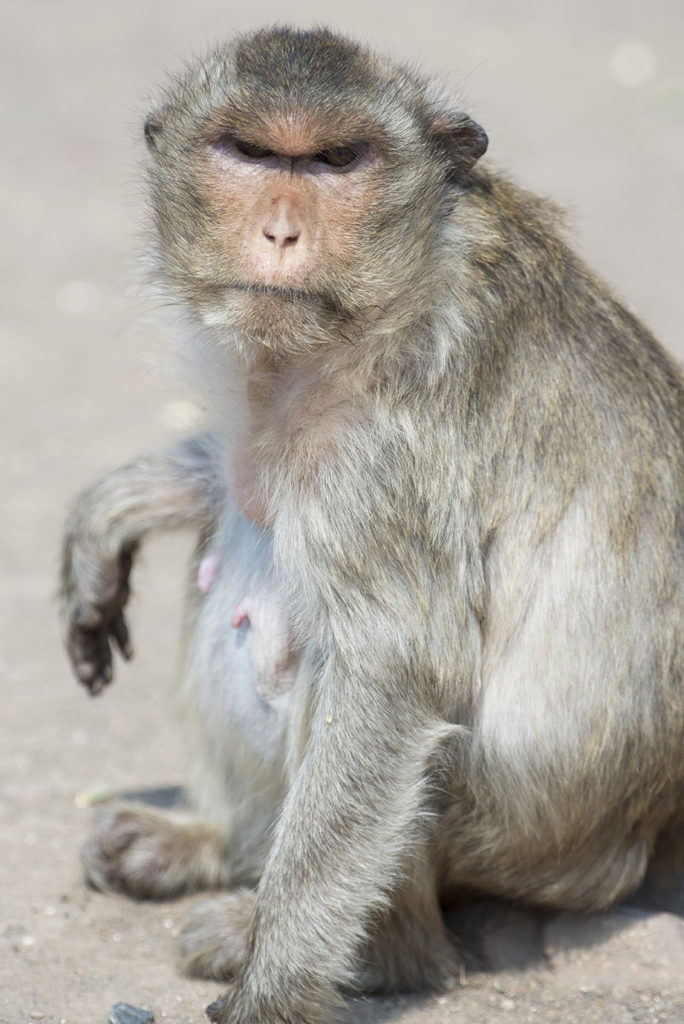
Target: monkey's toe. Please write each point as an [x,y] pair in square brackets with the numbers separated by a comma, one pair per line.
[214,939]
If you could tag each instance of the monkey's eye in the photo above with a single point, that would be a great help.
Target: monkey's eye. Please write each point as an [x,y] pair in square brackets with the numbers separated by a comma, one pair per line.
[336,156]
[251,151]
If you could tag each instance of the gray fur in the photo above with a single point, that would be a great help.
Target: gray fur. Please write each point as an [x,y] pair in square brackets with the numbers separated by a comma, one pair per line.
[469,472]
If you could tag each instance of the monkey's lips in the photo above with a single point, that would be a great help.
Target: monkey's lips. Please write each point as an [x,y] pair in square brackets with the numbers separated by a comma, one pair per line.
[276,304]
[281,291]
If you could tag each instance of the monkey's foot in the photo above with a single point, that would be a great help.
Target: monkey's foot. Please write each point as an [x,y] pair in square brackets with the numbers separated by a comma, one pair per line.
[151,855]
[214,939]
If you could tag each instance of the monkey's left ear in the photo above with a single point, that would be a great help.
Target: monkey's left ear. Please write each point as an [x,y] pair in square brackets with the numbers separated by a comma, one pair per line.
[154,127]
[461,139]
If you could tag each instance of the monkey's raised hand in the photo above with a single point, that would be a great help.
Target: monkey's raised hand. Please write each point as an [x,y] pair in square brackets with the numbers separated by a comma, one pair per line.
[164,490]
[95,591]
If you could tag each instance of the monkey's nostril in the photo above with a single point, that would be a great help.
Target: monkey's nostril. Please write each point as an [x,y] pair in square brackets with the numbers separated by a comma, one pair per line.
[281,239]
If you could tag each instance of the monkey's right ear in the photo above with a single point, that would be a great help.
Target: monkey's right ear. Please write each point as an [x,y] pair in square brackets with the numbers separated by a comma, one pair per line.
[461,139]
[154,125]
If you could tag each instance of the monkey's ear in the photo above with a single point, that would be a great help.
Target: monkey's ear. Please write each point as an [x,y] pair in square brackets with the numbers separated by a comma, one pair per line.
[461,139]
[153,127]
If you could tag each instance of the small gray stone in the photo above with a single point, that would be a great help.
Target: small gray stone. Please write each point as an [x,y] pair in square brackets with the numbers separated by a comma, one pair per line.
[124,1013]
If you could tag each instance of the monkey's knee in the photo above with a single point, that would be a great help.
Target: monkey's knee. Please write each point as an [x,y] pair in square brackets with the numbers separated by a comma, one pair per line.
[214,939]
[144,853]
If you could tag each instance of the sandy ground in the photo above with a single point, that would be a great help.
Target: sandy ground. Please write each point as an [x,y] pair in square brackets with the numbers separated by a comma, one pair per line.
[583,101]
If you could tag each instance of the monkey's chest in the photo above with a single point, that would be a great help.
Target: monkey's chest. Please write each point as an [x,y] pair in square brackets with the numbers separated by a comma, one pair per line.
[246,491]
[296,426]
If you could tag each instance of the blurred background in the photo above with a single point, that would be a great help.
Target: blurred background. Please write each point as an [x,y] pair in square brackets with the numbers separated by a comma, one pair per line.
[583,101]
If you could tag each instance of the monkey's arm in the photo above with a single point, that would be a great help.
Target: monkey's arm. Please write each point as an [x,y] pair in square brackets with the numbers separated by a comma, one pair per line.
[357,812]
[176,487]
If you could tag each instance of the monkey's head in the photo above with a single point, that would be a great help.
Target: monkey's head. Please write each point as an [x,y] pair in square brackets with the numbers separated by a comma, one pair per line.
[300,183]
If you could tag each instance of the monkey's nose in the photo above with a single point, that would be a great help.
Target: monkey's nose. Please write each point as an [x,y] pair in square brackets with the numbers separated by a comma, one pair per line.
[281,237]
[282,228]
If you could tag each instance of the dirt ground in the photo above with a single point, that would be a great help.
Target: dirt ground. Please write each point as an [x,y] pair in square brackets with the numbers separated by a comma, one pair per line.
[583,101]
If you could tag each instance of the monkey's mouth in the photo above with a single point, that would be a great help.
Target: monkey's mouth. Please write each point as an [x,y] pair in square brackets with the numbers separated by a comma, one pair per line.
[308,300]
[275,307]
[293,294]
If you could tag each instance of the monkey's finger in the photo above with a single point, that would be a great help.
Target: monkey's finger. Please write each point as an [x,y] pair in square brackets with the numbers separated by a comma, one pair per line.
[119,630]
[91,658]
[92,678]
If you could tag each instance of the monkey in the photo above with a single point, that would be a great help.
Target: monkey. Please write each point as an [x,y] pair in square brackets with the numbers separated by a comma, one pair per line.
[433,641]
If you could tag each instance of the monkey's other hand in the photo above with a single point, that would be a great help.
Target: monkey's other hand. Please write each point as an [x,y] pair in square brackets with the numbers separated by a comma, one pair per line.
[94,593]
[214,939]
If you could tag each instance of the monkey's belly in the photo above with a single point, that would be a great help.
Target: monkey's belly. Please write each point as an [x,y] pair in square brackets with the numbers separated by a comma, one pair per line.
[259,631]
[274,657]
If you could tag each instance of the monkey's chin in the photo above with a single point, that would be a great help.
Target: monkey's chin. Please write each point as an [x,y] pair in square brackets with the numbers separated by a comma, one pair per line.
[285,320]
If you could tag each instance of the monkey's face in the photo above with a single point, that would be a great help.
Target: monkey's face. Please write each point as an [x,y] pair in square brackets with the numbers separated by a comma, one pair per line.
[299,185]
[288,207]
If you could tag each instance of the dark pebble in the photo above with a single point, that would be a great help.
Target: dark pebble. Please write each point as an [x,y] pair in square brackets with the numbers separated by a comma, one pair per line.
[124,1013]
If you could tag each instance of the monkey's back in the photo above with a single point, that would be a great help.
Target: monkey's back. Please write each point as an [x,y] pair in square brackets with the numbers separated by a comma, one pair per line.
[576,762]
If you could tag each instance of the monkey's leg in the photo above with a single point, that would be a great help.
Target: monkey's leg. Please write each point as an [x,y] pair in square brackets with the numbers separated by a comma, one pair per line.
[407,948]
[169,489]
[219,842]
[349,822]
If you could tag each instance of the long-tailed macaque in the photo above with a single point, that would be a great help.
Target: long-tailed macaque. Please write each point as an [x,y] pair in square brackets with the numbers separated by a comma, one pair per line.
[435,627]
